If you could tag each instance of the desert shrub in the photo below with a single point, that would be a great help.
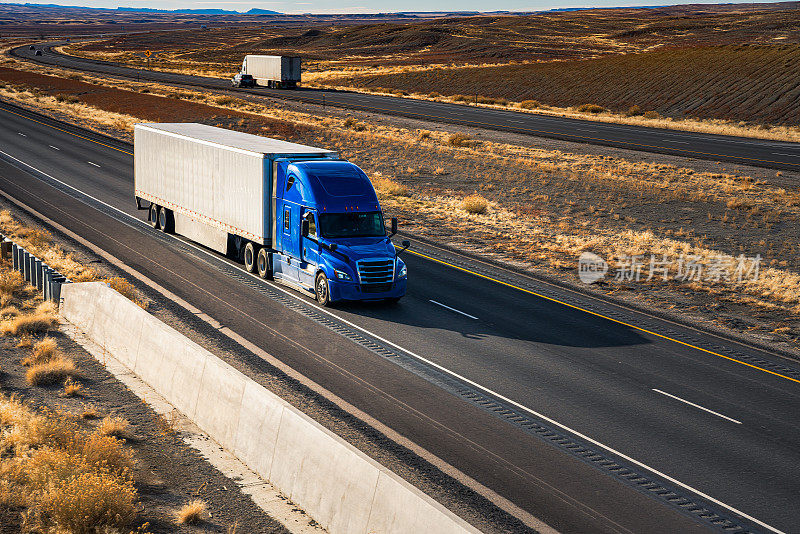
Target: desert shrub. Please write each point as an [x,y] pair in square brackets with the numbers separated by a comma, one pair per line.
[104,451]
[117,427]
[390,187]
[433,94]
[224,100]
[39,321]
[590,108]
[651,115]
[191,513]
[72,388]
[739,204]
[424,135]
[475,204]
[39,238]
[633,111]
[55,370]
[459,139]
[461,98]
[11,282]
[353,124]
[124,288]
[530,104]
[43,351]
[82,503]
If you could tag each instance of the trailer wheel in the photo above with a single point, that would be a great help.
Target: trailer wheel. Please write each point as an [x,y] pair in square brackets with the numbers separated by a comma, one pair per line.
[249,257]
[322,290]
[262,264]
[166,220]
[152,216]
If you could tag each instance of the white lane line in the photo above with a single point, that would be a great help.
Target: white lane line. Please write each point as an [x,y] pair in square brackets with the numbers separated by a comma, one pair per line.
[295,295]
[54,147]
[452,309]
[790,155]
[22,134]
[585,130]
[697,406]
[91,163]
[679,142]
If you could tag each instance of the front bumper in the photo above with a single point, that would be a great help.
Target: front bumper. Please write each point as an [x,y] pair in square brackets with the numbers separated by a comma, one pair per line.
[341,290]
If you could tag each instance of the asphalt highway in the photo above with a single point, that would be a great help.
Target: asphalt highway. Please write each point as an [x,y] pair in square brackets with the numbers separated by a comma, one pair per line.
[762,153]
[576,410]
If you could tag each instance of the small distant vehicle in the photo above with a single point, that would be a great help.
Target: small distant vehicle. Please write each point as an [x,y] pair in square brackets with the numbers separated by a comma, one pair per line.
[275,72]
[31,47]
[37,53]
[243,80]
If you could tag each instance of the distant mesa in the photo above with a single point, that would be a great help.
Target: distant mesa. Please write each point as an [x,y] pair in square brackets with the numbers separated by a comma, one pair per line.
[254,11]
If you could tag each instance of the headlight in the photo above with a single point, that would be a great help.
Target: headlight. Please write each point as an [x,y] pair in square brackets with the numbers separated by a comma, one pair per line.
[341,275]
[402,271]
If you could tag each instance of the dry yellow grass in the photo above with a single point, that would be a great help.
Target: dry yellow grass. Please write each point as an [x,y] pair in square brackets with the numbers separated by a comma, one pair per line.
[43,351]
[72,388]
[191,513]
[40,243]
[55,370]
[40,320]
[90,411]
[116,427]
[474,204]
[389,187]
[66,480]
[126,289]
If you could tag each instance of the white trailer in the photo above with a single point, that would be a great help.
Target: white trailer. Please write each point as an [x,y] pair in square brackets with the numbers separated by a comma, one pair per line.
[212,185]
[278,72]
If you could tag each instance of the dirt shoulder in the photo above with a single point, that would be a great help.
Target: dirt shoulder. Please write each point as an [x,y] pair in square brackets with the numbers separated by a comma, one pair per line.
[80,449]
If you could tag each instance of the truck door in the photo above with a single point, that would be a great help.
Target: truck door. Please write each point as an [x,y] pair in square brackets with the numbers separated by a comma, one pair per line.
[309,249]
[289,257]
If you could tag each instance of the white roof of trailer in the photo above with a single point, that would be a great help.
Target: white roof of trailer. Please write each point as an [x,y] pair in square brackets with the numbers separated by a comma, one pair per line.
[230,139]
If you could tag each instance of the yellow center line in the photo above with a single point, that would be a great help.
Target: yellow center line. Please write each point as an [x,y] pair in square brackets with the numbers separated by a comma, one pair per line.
[551,299]
[67,132]
[490,278]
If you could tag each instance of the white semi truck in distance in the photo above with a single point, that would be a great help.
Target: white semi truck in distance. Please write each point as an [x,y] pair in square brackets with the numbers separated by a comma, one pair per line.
[293,213]
[275,72]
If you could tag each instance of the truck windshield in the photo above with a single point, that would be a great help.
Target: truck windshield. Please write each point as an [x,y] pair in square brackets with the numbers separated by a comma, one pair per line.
[369,224]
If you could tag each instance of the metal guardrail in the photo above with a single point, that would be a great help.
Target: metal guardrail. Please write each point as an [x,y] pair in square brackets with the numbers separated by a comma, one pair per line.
[33,270]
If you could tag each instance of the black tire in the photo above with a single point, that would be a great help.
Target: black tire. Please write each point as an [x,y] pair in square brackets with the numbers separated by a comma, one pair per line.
[322,290]
[166,220]
[152,216]
[262,264]
[249,255]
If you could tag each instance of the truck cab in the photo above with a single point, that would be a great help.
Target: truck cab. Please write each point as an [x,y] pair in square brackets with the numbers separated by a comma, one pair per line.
[329,236]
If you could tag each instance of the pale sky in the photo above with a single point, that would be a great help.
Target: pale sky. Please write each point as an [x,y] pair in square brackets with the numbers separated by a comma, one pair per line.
[358,6]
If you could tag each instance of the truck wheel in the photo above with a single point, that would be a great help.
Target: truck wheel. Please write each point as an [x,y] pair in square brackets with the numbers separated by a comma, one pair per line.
[250,257]
[322,291]
[152,216]
[166,220]
[262,263]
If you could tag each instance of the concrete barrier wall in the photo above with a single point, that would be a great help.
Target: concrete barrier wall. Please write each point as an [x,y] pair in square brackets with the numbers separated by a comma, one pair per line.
[340,487]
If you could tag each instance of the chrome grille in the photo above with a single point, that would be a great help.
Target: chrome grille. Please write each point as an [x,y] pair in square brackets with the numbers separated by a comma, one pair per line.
[375,271]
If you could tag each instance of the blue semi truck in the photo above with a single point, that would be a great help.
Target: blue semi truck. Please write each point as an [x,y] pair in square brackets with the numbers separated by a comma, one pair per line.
[288,212]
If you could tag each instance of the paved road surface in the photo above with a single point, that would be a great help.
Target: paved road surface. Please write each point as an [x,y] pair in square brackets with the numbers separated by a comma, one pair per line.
[610,421]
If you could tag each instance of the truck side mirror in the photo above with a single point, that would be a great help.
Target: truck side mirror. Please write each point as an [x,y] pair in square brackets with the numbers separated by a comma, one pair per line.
[304,227]
[405,244]
[394,226]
